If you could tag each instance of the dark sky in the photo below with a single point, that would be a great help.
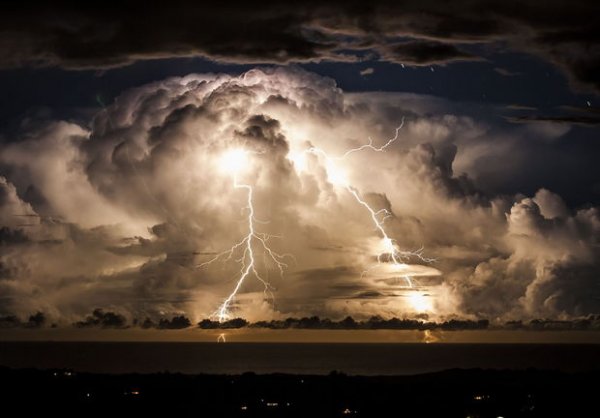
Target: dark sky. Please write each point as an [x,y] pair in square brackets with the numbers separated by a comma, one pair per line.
[65,62]
[529,86]
[497,175]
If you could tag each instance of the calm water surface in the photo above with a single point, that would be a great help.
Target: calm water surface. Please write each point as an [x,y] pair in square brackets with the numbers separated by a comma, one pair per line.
[235,358]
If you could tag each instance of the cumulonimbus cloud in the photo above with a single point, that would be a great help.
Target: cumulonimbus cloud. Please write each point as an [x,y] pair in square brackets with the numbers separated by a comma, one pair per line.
[118,214]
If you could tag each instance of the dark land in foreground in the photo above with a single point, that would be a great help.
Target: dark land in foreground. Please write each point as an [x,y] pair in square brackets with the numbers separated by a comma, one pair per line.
[452,393]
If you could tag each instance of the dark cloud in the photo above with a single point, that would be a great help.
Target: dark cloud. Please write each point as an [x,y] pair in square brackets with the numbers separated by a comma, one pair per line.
[234,323]
[575,49]
[9,321]
[177,322]
[423,53]
[371,294]
[375,322]
[562,119]
[102,319]
[505,72]
[78,36]
[37,320]
[519,107]
[570,115]
[103,36]
[34,321]
[582,109]
[591,322]
[10,236]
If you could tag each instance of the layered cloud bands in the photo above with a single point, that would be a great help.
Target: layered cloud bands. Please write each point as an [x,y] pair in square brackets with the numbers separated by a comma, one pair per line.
[121,215]
[411,32]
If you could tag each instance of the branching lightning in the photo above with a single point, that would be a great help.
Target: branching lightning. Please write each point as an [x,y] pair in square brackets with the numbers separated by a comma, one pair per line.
[233,162]
[390,248]
[370,144]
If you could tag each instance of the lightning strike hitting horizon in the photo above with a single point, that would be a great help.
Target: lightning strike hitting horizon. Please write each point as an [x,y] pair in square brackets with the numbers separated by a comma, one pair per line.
[390,247]
[233,161]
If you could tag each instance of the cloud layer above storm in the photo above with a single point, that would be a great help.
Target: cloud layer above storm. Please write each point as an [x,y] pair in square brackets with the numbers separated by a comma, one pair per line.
[422,32]
[117,215]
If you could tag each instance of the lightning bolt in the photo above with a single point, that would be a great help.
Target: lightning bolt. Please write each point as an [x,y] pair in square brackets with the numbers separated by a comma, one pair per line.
[245,247]
[247,260]
[391,248]
[370,144]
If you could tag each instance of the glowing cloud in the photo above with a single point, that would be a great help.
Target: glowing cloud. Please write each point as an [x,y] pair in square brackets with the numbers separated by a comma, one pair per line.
[203,184]
[337,176]
[419,301]
[234,161]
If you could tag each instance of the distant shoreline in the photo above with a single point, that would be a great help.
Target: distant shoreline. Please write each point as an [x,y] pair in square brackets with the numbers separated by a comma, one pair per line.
[255,335]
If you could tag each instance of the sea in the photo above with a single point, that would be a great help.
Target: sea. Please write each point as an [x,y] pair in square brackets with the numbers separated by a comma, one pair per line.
[294,358]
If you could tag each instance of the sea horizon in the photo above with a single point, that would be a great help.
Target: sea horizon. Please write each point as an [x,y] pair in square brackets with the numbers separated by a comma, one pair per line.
[295,358]
[252,335]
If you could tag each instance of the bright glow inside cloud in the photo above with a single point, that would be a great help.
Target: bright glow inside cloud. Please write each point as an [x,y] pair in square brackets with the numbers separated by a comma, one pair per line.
[420,302]
[193,183]
[234,161]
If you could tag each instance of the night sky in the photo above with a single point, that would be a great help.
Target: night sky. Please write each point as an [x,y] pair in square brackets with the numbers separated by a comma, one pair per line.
[265,160]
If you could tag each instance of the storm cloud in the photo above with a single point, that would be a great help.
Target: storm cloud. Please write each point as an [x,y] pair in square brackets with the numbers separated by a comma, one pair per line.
[101,35]
[123,212]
